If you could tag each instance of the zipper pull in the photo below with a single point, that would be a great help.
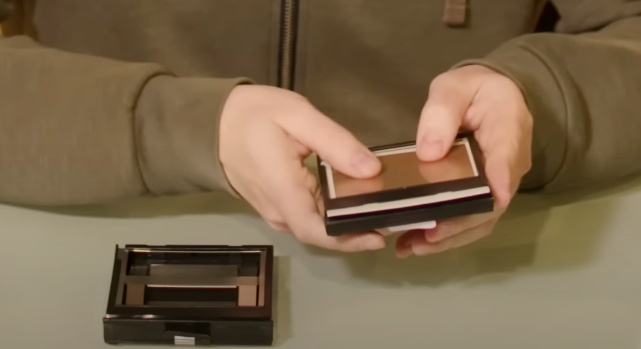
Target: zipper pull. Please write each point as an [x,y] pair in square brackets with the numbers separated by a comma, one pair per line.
[456,13]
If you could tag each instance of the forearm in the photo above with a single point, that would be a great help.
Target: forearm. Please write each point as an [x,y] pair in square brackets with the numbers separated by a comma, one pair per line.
[78,129]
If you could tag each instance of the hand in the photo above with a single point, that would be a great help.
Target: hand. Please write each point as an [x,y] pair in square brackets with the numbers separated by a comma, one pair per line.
[265,135]
[477,99]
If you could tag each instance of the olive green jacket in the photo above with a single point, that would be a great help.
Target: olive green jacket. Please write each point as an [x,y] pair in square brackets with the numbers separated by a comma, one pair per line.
[103,100]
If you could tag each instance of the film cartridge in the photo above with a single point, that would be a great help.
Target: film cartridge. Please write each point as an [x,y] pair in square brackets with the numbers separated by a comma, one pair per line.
[191,295]
[408,192]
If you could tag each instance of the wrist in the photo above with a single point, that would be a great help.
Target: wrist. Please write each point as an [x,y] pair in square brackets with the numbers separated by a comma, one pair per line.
[178,127]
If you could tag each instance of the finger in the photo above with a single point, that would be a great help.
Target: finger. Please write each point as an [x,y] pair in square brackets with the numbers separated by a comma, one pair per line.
[405,241]
[506,142]
[442,117]
[297,204]
[501,178]
[450,227]
[304,219]
[503,168]
[308,226]
[333,143]
[416,243]
[464,238]
[283,228]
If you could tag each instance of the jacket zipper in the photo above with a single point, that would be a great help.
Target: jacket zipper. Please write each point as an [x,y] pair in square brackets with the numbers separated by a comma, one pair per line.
[287,60]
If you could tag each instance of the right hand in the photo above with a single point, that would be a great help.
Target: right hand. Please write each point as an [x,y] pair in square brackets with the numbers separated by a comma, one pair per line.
[265,135]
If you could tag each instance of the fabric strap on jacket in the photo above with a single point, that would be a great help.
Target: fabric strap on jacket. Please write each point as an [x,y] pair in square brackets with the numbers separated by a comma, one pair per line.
[456,12]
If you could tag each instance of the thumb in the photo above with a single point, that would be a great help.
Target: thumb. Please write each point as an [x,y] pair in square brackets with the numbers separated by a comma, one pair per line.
[441,118]
[333,143]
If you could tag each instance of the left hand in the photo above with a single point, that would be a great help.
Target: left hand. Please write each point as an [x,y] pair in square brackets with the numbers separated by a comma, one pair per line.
[483,101]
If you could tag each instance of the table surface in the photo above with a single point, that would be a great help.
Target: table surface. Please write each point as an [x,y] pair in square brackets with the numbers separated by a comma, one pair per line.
[559,272]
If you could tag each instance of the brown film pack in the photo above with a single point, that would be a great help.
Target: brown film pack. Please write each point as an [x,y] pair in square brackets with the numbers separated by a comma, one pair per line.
[407,191]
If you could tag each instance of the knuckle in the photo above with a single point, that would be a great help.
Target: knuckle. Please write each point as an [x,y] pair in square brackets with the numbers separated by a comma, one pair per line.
[528,121]
[527,164]
[298,97]
[273,219]
[434,113]
[444,81]
[525,161]
[311,182]
[445,228]
[278,227]
[433,249]
[351,248]
[526,127]
[486,232]
[303,237]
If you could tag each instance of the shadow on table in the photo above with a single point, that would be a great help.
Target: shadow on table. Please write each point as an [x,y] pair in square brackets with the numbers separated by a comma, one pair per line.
[512,247]
[152,207]
[282,300]
[510,250]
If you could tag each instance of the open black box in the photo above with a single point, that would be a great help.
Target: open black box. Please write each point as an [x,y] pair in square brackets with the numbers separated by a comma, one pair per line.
[191,295]
[457,187]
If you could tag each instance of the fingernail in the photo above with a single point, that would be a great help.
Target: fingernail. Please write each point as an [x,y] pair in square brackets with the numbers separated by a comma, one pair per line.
[366,163]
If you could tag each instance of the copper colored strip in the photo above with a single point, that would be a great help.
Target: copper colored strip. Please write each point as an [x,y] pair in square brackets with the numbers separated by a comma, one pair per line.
[247,296]
[135,295]
[179,280]
[194,271]
[404,170]
[149,250]
[123,256]
[194,286]
[455,13]
[261,279]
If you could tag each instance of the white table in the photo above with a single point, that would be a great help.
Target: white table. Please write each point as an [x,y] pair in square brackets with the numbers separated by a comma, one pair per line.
[563,277]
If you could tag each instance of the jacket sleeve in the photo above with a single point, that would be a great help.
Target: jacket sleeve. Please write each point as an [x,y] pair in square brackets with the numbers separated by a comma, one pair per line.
[582,84]
[80,129]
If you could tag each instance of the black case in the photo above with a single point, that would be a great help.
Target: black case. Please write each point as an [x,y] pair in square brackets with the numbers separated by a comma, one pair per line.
[178,322]
[337,226]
